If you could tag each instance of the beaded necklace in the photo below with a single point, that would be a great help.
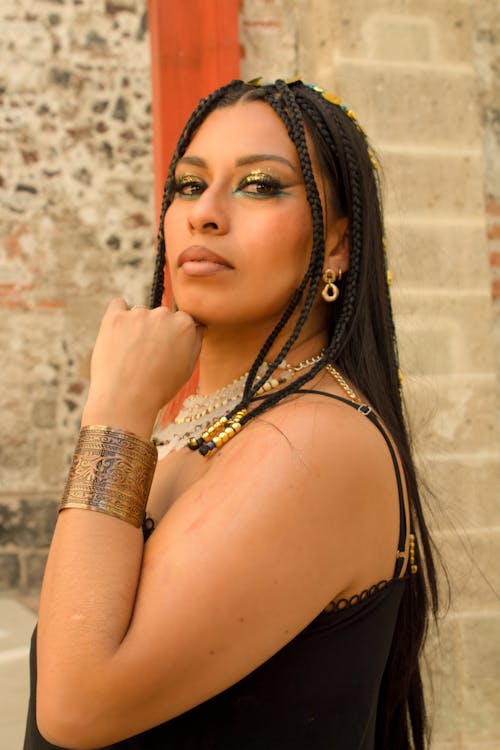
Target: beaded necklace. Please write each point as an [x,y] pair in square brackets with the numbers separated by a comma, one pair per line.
[206,415]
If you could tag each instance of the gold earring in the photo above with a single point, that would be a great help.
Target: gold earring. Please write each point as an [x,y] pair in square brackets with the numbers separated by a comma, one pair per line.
[331,290]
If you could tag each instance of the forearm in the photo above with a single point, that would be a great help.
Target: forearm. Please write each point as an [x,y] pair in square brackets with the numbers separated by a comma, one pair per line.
[86,604]
[92,575]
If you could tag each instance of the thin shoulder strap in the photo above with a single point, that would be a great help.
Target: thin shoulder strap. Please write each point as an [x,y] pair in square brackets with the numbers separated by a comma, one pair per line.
[367,411]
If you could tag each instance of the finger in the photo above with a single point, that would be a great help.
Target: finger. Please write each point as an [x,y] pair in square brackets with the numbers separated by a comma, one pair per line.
[116,304]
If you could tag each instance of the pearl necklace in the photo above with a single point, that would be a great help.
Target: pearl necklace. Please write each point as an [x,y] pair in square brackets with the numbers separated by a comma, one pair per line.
[198,412]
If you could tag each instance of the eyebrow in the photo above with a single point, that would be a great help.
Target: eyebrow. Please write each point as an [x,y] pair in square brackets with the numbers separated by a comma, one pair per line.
[197,161]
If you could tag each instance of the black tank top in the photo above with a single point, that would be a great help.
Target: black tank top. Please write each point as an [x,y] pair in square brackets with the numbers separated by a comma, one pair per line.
[319,692]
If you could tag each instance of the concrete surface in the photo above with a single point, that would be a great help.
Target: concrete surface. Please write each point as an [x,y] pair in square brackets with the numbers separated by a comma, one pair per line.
[16,626]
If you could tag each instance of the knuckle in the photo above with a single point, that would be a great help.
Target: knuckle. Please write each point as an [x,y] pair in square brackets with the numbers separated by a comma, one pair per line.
[161,310]
[184,320]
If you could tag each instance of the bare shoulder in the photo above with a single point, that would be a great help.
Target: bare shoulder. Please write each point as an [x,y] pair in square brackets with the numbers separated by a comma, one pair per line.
[332,468]
[319,471]
[323,440]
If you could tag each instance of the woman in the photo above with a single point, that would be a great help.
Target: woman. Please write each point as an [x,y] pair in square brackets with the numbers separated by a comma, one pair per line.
[277,603]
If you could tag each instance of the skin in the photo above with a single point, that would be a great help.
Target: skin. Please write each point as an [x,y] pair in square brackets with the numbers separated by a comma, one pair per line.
[235,569]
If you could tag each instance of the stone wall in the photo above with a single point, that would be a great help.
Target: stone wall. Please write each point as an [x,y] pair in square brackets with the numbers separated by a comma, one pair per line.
[419,75]
[76,223]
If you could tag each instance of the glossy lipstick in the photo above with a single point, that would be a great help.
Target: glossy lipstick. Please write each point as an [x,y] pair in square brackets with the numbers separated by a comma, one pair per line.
[198,260]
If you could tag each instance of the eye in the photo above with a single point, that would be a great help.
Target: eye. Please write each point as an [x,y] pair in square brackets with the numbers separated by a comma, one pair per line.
[189,185]
[260,184]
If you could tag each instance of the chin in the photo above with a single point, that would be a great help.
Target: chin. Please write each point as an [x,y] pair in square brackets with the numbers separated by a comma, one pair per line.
[212,308]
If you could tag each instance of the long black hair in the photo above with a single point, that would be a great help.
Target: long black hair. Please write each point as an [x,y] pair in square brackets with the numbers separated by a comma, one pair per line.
[361,344]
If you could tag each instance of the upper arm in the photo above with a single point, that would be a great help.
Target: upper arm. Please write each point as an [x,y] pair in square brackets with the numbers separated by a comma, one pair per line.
[247,557]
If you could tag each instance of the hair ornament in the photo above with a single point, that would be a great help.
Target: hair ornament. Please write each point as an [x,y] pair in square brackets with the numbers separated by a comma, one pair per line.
[332,98]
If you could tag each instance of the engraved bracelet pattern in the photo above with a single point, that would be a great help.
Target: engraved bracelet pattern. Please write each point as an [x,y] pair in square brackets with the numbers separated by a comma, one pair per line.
[112,471]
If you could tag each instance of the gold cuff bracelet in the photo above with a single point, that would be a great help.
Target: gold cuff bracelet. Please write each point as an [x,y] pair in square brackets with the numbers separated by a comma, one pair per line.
[111,473]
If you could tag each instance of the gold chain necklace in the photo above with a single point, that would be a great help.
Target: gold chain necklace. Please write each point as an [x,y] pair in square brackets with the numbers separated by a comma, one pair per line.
[343,383]
[196,407]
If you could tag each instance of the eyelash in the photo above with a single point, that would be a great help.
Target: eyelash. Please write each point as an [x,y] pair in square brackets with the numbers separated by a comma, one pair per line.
[267,186]
[182,184]
[189,186]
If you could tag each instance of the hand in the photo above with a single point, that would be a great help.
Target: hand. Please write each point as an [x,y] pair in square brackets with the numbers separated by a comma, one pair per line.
[140,360]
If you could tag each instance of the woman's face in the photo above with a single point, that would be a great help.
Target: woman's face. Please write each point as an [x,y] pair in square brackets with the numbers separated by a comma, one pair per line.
[239,231]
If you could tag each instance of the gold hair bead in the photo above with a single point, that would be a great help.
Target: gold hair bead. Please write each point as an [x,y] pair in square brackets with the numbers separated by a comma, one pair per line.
[411,555]
[389,278]
[373,160]
[225,428]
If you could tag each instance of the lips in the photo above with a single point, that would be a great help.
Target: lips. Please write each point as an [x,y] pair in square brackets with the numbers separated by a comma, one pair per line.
[201,255]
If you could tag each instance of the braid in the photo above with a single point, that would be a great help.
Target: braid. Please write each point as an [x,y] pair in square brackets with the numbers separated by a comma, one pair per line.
[198,116]
[158,284]
[294,301]
[353,189]
[350,293]
[282,100]
[351,180]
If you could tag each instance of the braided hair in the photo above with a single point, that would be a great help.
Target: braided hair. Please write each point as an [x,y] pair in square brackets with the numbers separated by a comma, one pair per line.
[361,343]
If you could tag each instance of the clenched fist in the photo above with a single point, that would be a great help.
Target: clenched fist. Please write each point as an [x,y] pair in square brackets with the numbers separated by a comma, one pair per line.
[140,360]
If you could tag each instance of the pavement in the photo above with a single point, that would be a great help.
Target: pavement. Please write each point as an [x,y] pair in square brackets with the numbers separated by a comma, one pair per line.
[17,621]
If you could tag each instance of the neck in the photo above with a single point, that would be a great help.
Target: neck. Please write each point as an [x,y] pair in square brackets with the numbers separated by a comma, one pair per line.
[228,354]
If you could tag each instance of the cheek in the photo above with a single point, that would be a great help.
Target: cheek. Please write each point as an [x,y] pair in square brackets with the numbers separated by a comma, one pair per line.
[290,227]
[291,242]
[276,262]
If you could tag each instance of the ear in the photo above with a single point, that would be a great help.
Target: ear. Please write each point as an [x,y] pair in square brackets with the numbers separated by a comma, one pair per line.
[337,245]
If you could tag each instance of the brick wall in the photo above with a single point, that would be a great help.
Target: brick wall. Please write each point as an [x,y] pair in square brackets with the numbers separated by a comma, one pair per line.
[76,227]
[419,75]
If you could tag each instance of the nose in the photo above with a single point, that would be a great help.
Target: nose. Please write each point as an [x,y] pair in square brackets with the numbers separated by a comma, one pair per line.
[208,213]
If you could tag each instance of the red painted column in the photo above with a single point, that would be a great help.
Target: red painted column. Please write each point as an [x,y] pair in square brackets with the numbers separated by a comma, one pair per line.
[194,49]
